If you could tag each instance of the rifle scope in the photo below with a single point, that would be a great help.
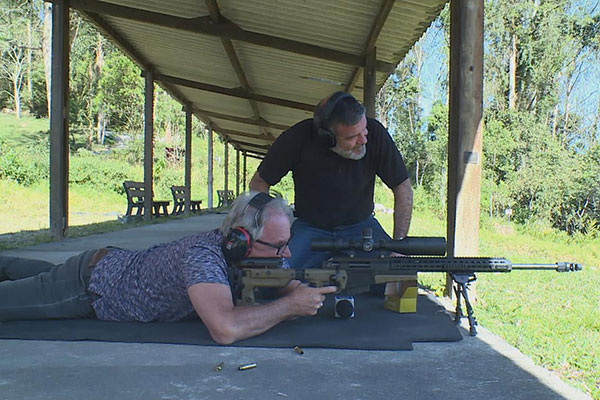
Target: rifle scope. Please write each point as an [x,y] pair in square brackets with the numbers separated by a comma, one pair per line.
[410,245]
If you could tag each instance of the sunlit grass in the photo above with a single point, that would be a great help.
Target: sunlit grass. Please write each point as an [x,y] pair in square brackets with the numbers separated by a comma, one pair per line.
[23,131]
[30,210]
[23,208]
[24,218]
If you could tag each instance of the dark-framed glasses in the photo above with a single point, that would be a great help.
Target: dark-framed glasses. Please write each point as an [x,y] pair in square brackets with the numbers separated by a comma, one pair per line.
[280,249]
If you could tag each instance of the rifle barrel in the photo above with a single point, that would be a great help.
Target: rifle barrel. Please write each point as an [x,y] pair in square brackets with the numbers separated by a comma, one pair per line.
[558,267]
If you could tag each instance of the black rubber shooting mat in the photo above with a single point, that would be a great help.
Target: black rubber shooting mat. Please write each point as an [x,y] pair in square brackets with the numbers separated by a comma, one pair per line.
[372,328]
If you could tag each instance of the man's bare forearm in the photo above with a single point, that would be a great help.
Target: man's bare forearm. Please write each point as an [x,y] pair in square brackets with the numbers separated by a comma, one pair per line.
[228,323]
[259,184]
[301,300]
[249,321]
[403,201]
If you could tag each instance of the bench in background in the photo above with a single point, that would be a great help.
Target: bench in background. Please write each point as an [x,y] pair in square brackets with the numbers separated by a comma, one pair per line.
[226,197]
[179,201]
[135,199]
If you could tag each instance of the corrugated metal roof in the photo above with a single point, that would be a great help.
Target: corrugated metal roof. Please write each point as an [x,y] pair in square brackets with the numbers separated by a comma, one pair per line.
[185,43]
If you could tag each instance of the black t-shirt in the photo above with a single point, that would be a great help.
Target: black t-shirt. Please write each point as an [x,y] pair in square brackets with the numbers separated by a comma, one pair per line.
[331,190]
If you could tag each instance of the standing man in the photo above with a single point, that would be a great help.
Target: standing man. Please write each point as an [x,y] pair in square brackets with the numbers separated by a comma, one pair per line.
[334,158]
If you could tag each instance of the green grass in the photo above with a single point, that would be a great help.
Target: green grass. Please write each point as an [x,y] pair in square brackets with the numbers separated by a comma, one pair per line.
[24,131]
[553,318]
[24,218]
[26,208]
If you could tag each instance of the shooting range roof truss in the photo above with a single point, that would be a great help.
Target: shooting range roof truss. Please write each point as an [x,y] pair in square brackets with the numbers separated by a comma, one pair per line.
[252,68]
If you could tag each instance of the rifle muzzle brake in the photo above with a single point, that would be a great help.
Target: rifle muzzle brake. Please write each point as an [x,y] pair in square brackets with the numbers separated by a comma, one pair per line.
[568,267]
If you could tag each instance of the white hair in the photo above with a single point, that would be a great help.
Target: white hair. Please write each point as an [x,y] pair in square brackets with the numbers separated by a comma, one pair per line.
[244,216]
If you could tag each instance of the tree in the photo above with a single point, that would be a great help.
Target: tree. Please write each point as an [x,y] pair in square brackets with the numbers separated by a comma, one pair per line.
[537,55]
[436,148]
[399,106]
[121,93]
[84,76]
[47,48]
[15,46]
[500,146]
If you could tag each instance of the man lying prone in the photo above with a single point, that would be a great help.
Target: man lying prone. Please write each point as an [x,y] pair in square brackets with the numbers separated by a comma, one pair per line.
[183,279]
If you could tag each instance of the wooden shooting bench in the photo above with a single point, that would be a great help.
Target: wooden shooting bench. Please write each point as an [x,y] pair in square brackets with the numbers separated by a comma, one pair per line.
[135,199]
[179,201]
[226,197]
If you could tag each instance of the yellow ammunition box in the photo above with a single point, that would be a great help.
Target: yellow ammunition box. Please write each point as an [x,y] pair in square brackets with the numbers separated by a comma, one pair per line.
[404,299]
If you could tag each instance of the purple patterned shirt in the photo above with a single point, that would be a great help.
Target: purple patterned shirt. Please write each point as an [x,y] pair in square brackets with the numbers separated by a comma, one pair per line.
[151,284]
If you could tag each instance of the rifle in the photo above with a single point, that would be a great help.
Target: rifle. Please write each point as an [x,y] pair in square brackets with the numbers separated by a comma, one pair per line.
[353,275]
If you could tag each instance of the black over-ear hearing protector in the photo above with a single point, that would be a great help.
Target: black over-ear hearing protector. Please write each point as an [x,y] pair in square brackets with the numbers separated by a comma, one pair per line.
[322,122]
[238,242]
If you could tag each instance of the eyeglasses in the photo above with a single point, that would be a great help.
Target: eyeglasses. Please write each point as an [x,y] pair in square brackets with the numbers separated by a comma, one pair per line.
[280,249]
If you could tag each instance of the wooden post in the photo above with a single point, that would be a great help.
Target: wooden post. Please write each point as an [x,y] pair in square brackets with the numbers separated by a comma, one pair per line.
[210,166]
[237,173]
[465,128]
[188,159]
[59,121]
[370,87]
[226,164]
[245,171]
[148,143]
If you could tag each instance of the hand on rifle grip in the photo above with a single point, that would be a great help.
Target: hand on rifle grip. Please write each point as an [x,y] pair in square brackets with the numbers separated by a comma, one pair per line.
[305,300]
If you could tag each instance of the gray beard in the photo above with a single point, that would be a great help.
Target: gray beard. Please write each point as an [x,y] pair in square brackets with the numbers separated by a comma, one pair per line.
[349,154]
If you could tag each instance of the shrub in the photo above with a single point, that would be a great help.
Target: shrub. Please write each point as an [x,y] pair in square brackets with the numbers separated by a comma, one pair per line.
[101,172]
[26,167]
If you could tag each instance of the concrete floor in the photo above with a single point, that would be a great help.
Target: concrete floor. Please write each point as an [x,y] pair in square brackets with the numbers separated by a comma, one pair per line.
[482,367]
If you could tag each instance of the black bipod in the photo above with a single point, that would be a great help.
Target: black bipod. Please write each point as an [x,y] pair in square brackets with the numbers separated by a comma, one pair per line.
[462,285]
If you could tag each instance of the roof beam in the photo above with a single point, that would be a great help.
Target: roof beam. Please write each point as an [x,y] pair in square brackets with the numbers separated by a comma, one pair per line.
[215,15]
[133,54]
[226,133]
[248,121]
[236,92]
[118,40]
[225,30]
[382,15]
[251,147]
[258,156]
[128,49]
[231,132]
[257,147]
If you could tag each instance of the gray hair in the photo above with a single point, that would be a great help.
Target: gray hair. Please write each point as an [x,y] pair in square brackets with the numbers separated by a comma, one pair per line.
[241,215]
